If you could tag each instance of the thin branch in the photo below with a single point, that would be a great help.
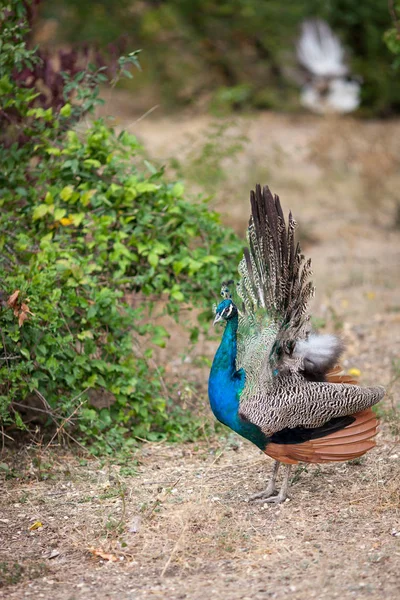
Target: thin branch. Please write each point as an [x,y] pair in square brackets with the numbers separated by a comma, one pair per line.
[5,350]
[155,367]
[4,435]
[42,410]
[65,421]
[174,549]
[50,410]
[54,417]
[146,114]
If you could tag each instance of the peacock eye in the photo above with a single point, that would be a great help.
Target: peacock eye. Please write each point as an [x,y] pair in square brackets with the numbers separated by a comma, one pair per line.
[226,313]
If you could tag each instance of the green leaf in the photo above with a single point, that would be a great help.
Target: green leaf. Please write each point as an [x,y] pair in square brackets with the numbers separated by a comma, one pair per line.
[66,193]
[59,213]
[178,190]
[91,162]
[85,335]
[177,295]
[77,218]
[210,259]
[145,187]
[53,151]
[66,110]
[153,259]
[86,197]
[40,211]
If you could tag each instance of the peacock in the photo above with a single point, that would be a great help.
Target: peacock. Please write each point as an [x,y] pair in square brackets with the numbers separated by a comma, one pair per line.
[329,88]
[273,380]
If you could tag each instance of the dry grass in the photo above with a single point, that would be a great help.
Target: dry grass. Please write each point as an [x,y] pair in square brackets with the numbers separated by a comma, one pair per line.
[182,528]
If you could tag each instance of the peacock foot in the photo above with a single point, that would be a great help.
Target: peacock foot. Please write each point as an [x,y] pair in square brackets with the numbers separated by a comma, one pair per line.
[264,495]
[279,499]
[268,494]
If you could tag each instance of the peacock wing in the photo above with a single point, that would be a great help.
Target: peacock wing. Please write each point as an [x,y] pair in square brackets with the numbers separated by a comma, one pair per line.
[295,407]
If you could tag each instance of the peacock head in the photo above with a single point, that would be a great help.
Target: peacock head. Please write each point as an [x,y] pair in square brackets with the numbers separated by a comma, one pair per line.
[225,311]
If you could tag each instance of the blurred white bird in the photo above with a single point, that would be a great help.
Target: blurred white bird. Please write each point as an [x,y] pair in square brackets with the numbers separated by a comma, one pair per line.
[329,89]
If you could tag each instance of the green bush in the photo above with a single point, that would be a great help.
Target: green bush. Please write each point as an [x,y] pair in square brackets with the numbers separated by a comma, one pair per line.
[87,225]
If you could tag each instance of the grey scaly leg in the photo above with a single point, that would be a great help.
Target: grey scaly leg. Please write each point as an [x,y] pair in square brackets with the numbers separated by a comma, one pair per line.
[267,496]
[271,489]
[281,497]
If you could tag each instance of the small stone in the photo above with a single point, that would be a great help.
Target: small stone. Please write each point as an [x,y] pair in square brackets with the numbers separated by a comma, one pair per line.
[395,533]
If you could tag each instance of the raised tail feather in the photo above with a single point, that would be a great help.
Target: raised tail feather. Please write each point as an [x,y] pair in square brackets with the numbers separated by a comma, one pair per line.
[336,375]
[274,273]
[275,291]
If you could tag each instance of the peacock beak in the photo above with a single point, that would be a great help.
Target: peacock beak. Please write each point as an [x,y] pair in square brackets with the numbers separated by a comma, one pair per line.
[217,319]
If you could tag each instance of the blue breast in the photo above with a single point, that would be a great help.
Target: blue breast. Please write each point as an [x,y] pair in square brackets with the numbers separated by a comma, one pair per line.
[225,386]
[224,394]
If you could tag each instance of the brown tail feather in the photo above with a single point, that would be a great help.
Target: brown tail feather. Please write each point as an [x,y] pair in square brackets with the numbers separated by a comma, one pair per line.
[351,439]
[341,379]
[365,420]
[348,443]
[336,375]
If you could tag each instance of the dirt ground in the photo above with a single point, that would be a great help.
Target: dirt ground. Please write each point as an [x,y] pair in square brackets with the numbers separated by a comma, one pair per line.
[180,526]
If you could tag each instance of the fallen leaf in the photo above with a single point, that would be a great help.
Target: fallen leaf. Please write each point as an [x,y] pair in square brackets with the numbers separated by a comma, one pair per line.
[25,308]
[104,555]
[13,299]
[20,309]
[23,314]
[35,525]
[22,317]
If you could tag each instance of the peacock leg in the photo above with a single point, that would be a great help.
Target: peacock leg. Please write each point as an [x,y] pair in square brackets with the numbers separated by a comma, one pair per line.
[281,497]
[271,489]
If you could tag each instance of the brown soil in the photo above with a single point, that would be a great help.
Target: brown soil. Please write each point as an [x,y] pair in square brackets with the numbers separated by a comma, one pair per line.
[182,527]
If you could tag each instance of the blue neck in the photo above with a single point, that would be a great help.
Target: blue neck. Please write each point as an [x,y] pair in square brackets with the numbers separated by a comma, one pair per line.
[226,384]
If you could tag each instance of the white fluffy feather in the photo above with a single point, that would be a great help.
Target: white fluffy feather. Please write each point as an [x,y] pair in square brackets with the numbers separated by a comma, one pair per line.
[318,352]
[341,97]
[320,51]
[329,89]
